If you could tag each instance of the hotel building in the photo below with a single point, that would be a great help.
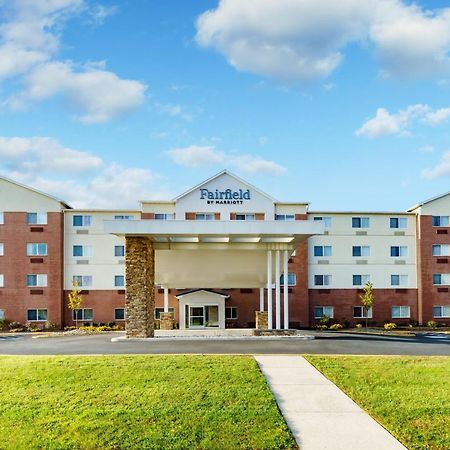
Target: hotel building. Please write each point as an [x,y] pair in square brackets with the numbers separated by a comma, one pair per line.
[223,254]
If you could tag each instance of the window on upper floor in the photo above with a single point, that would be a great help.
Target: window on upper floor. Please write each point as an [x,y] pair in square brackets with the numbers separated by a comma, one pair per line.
[440,279]
[398,222]
[441,311]
[2,218]
[360,280]
[399,250]
[2,249]
[292,279]
[83,314]
[82,250]
[322,250]
[326,220]
[123,217]
[322,280]
[399,280]
[360,250]
[37,280]
[284,217]
[119,250]
[37,249]
[2,314]
[245,216]
[82,280]
[119,280]
[204,216]
[323,311]
[35,218]
[441,250]
[401,312]
[164,216]
[2,280]
[37,315]
[440,221]
[82,221]
[359,312]
[360,222]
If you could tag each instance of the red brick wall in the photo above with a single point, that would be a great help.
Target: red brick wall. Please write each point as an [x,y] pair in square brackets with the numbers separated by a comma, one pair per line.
[15,265]
[148,216]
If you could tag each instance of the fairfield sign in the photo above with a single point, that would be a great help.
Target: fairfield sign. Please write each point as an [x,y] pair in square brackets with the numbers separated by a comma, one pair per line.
[226,197]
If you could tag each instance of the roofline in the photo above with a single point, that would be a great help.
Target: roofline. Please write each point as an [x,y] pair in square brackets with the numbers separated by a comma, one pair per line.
[387,213]
[428,201]
[293,203]
[157,202]
[29,188]
[225,171]
[211,291]
[137,211]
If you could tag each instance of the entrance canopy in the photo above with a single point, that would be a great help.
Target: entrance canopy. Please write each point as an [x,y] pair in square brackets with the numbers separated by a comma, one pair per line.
[211,254]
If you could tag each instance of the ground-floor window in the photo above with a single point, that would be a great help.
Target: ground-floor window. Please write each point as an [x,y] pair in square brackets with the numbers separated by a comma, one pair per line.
[158,312]
[322,280]
[401,312]
[37,315]
[359,312]
[322,311]
[119,314]
[231,312]
[83,314]
[2,314]
[292,279]
[439,311]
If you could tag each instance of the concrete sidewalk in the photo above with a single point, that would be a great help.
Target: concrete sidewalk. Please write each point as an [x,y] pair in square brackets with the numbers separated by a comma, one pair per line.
[319,414]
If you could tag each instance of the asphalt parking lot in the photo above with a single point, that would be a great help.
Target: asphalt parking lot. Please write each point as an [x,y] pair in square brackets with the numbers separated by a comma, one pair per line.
[324,343]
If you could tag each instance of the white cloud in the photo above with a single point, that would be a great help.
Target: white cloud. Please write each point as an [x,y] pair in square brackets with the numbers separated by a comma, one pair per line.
[257,165]
[438,116]
[174,111]
[303,40]
[442,169]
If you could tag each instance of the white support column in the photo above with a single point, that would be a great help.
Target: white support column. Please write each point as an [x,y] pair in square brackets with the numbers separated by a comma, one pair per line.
[286,290]
[277,291]
[269,290]
[166,300]
[261,299]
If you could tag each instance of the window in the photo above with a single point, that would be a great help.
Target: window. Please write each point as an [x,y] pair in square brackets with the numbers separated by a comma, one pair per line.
[2,218]
[2,314]
[441,250]
[82,280]
[82,221]
[360,222]
[440,221]
[398,222]
[231,312]
[322,311]
[399,250]
[441,311]
[361,250]
[83,314]
[322,250]
[245,217]
[164,216]
[440,279]
[37,280]
[37,315]
[2,280]
[284,217]
[119,280]
[119,314]
[1,249]
[359,312]
[82,250]
[292,279]
[322,280]
[399,280]
[401,312]
[119,250]
[158,312]
[38,249]
[360,280]
[123,217]
[325,220]
[204,216]
[37,218]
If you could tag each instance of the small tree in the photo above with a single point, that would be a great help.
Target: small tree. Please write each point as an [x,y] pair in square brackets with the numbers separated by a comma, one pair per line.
[367,299]
[75,300]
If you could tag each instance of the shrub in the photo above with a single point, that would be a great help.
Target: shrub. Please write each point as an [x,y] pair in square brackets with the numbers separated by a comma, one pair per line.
[346,323]
[432,324]
[69,328]
[390,326]
[4,324]
[359,325]
[442,324]
[321,327]
[325,320]
[50,326]
[16,326]
[336,326]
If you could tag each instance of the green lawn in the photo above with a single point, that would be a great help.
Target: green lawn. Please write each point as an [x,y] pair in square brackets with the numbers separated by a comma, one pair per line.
[409,396]
[137,402]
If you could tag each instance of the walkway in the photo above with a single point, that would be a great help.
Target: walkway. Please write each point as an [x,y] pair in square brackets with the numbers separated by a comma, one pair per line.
[319,414]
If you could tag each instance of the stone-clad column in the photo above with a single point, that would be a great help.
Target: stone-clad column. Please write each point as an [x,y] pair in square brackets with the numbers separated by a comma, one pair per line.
[140,282]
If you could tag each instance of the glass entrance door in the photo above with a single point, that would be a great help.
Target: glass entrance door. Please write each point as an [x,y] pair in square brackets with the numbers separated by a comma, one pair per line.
[212,316]
[196,316]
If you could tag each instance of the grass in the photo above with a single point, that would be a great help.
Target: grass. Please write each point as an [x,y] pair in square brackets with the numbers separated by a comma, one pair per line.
[137,402]
[409,396]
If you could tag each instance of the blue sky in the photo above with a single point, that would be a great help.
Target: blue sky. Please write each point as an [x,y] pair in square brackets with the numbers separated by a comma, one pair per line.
[345,105]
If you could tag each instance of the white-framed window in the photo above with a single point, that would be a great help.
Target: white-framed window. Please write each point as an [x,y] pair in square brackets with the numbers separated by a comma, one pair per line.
[37,315]
[323,250]
[321,311]
[399,250]
[123,217]
[440,221]
[400,312]
[204,216]
[359,312]
[2,280]
[119,314]
[441,250]
[231,312]
[164,216]
[119,250]
[326,220]
[322,280]
[119,280]
[2,314]
[360,280]
[292,279]
[83,314]
[361,250]
[398,222]
[82,221]
[2,249]
[37,280]
[82,250]
[284,216]
[36,218]
[399,280]
[360,222]
[158,312]
[82,280]
[37,249]
[441,279]
[245,216]
[2,218]
[441,311]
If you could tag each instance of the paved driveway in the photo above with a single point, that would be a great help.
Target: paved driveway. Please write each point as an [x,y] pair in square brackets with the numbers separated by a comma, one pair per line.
[325,343]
